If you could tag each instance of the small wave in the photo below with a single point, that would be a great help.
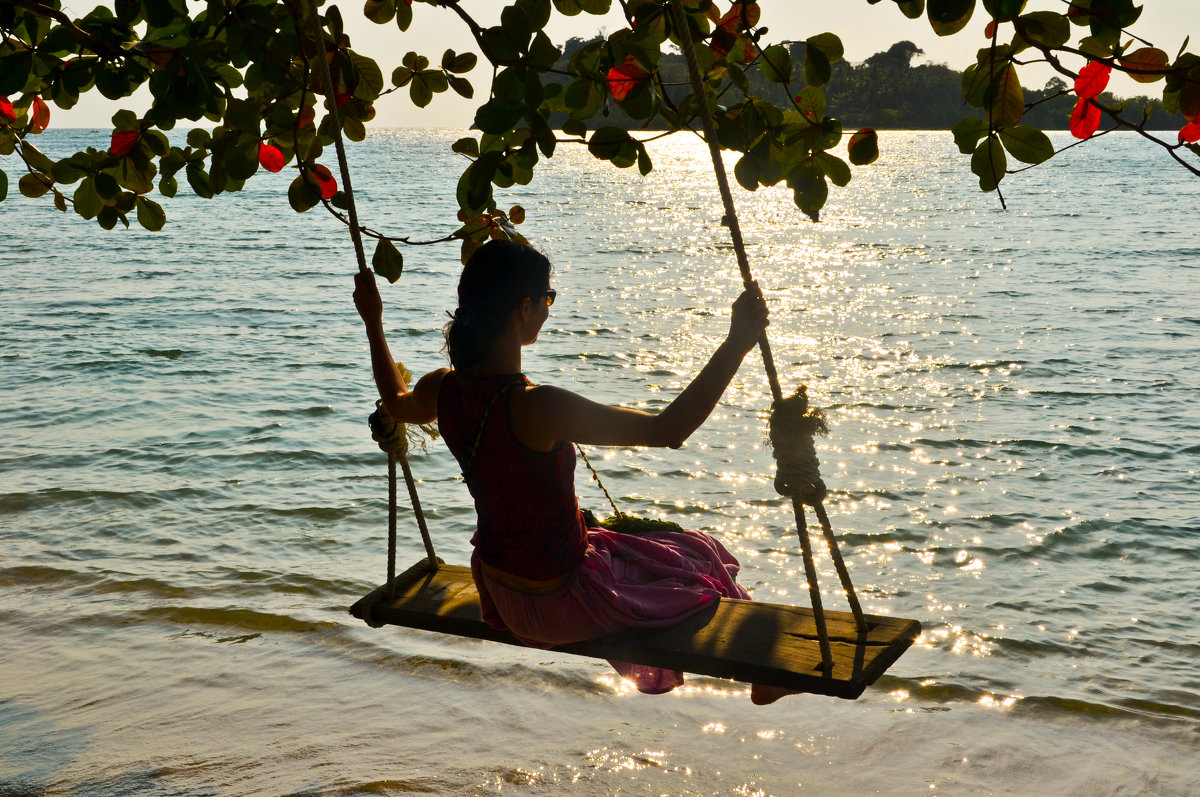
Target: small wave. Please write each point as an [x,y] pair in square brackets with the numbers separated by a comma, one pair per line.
[242,619]
[170,354]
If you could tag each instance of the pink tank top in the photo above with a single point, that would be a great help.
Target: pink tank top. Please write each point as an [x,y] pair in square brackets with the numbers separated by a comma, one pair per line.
[529,519]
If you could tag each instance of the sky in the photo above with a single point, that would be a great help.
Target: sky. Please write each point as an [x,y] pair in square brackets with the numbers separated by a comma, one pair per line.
[864,29]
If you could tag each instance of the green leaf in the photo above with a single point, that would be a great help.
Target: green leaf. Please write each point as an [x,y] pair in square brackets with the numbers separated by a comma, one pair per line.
[302,194]
[466,146]
[150,214]
[968,132]
[107,186]
[810,191]
[125,120]
[1004,10]
[776,64]
[87,200]
[1047,28]
[36,158]
[948,17]
[989,163]
[834,167]
[1027,144]
[34,185]
[461,86]
[198,179]
[463,62]
[387,260]
[1008,99]
[14,71]
[607,143]
[817,69]
[863,147]
[644,164]
[400,76]
[380,12]
[746,172]
[404,15]
[3,185]
[829,44]
[575,127]
[913,9]
[497,117]
[420,92]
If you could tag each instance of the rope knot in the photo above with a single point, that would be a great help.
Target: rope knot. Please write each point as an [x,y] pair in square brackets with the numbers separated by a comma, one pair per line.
[793,425]
[390,435]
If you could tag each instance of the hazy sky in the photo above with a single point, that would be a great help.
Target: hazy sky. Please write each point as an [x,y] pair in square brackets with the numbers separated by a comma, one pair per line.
[864,29]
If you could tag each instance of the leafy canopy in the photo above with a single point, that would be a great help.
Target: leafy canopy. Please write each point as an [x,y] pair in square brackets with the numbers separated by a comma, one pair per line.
[254,71]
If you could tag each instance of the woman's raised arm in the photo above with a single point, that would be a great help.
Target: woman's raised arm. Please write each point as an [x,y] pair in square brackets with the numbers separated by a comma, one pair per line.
[416,406]
[542,416]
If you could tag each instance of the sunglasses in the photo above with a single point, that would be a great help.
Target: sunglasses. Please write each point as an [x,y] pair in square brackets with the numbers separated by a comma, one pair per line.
[550,296]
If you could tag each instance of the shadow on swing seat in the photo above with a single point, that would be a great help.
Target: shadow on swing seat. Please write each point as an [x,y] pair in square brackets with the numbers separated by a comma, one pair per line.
[764,643]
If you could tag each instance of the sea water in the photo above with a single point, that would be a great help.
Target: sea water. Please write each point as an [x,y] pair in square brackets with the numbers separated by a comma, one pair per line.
[190,498]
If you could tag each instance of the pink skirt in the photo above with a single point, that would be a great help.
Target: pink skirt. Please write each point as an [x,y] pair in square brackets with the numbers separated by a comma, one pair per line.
[645,581]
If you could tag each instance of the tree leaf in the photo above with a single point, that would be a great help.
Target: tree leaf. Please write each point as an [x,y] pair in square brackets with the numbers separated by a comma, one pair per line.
[968,132]
[34,184]
[387,260]
[1004,10]
[863,147]
[150,214]
[1027,144]
[1048,28]
[380,12]
[948,17]
[834,167]
[776,64]
[1146,65]
[817,70]
[1085,119]
[1008,99]
[1093,79]
[989,163]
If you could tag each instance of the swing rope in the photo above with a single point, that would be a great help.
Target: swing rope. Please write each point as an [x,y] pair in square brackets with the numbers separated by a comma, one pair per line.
[799,476]
[391,436]
[791,434]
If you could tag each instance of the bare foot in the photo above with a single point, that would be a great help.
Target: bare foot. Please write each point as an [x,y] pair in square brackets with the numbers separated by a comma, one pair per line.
[763,695]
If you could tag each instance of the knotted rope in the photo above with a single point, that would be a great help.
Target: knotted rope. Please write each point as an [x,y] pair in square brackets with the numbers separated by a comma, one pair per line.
[795,454]
[391,436]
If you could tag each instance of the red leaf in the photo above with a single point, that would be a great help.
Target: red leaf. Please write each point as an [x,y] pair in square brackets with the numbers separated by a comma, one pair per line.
[990,31]
[325,181]
[622,79]
[740,17]
[270,157]
[306,117]
[123,141]
[1092,79]
[41,115]
[1085,119]
[6,110]
[341,98]
[1190,133]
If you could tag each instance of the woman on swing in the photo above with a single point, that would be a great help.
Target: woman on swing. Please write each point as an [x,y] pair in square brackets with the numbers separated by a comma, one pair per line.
[542,574]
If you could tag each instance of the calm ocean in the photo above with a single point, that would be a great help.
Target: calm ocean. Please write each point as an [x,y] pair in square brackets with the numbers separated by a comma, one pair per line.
[190,498]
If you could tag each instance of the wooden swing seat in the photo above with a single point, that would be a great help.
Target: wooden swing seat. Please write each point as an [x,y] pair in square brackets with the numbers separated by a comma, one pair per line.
[764,643]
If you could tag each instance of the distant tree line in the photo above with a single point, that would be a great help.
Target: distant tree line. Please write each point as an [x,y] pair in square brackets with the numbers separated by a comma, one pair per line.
[888,91]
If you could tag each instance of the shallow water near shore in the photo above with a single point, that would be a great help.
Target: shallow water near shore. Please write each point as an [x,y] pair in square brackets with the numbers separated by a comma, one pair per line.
[190,498]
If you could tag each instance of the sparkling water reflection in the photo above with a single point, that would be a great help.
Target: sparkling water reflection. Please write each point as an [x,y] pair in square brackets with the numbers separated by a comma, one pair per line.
[190,500]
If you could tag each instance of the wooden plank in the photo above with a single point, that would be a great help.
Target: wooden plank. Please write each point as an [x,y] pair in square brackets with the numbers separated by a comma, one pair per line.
[748,641]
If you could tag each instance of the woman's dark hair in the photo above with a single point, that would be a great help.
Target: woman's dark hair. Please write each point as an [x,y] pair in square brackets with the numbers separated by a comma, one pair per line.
[497,277]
